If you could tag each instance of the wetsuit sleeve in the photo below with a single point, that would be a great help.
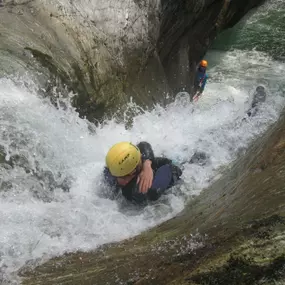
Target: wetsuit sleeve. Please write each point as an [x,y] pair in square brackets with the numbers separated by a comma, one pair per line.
[165,177]
[146,150]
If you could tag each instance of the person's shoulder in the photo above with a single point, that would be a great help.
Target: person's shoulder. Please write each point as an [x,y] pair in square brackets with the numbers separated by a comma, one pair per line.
[108,177]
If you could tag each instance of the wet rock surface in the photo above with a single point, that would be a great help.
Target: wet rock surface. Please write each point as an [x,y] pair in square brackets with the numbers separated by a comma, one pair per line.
[110,51]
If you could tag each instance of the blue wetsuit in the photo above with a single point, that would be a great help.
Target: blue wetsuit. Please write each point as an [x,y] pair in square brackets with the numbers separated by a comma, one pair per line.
[166,175]
[200,80]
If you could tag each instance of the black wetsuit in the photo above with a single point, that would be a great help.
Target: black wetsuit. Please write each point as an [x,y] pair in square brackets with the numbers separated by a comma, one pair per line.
[166,175]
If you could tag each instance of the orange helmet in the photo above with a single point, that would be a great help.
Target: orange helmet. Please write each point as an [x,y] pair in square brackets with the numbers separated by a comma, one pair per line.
[204,63]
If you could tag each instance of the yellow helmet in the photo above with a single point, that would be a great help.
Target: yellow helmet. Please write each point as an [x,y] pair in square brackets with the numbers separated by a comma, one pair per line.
[204,63]
[122,158]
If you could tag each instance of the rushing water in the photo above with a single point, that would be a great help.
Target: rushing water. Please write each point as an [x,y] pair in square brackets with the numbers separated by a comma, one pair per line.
[263,31]
[51,199]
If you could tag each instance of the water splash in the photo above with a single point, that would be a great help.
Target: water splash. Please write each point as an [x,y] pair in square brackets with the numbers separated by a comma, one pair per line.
[50,189]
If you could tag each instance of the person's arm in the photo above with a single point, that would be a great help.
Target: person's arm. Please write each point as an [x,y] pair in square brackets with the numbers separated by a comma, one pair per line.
[146,151]
[165,177]
[146,175]
[150,163]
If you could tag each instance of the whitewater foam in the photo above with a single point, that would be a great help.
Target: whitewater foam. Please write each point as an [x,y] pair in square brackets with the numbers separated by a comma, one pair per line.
[53,150]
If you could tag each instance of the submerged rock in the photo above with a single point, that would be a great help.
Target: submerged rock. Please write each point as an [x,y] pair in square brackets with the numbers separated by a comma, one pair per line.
[111,50]
[200,158]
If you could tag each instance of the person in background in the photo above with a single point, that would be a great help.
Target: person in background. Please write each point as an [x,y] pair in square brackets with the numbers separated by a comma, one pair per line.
[200,80]
[259,97]
[134,170]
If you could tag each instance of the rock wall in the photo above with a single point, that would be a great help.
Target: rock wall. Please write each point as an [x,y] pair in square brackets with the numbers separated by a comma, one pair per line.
[108,51]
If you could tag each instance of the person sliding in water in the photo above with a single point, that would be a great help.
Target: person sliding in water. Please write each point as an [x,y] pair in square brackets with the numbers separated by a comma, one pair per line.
[200,80]
[259,97]
[140,175]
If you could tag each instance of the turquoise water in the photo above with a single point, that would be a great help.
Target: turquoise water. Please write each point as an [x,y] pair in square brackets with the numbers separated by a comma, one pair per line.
[263,31]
